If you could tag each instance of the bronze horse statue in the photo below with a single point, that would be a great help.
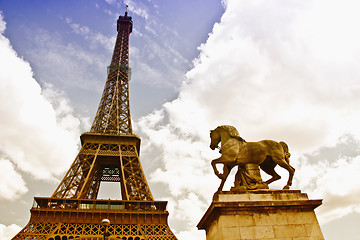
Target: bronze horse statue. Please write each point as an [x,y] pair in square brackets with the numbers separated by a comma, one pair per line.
[235,151]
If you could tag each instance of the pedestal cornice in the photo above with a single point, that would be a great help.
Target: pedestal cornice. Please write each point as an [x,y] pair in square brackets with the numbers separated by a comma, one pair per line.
[257,201]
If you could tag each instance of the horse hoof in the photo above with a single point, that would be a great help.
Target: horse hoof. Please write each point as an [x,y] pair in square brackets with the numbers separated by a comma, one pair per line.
[286,187]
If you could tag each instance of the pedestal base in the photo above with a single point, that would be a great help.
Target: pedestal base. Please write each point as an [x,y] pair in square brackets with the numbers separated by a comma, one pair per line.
[262,214]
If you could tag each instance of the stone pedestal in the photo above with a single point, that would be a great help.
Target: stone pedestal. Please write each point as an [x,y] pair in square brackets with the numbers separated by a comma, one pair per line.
[262,214]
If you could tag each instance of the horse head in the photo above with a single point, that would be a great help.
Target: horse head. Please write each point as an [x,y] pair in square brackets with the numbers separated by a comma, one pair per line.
[224,130]
[215,138]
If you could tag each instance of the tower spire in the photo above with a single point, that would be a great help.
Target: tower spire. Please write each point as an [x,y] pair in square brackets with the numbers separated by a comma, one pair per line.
[113,114]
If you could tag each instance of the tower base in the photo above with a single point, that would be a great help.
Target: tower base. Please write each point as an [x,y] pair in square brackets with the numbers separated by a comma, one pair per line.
[65,219]
[262,214]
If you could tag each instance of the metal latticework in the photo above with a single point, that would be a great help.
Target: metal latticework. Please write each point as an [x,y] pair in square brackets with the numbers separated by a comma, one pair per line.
[109,159]
[64,218]
[65,231]
[113,115]
[109,153]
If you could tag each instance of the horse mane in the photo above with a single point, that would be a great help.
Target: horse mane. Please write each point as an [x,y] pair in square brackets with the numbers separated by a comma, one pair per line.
[233,132]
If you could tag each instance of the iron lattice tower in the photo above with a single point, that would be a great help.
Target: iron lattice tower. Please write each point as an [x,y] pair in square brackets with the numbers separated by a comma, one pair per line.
[109,153]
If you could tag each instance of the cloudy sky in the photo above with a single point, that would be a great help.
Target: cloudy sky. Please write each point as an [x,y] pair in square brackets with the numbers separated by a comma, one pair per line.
[283,70]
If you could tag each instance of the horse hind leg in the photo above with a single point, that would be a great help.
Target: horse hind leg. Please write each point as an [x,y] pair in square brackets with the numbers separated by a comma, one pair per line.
[284,164]
[268,166]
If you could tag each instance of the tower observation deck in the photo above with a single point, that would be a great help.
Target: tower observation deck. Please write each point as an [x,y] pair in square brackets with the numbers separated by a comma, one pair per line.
[109,153]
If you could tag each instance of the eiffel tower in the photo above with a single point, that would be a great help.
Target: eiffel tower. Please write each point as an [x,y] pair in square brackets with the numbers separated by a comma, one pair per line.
[109,153]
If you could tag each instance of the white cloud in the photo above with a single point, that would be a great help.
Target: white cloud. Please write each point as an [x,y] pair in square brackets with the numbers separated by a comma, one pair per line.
[275,70]
[158,64]
[37,130]
[96,38]
[2,23]
[192,234]
[276,77]
[12,189]
[190,208]
[8,232]
[110,1]
[335,182]
[138,8]
[68,64]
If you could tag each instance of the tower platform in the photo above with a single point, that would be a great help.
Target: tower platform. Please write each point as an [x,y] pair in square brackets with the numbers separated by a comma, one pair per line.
[262,214]
[64,219]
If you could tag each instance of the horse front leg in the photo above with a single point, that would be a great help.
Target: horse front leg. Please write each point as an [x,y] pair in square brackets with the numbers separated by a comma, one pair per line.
[213,164]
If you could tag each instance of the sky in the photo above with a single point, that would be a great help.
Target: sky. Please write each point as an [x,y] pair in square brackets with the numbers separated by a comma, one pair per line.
[284,70]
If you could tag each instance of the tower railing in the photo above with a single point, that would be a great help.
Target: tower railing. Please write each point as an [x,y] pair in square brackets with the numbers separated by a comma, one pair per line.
[42,203]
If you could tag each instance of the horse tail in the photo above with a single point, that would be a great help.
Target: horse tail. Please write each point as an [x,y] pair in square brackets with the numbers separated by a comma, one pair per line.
[286,151]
